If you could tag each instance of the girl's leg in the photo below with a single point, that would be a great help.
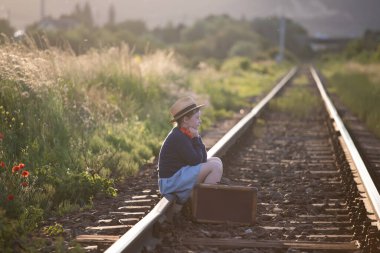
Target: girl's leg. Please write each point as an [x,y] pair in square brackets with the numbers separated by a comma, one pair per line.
[211,171]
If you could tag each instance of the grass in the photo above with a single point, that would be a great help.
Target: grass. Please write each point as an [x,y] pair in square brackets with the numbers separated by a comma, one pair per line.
[297,100]
[357,86]
[235,86]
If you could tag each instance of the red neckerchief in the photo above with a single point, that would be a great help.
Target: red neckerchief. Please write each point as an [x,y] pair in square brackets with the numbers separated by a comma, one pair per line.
[186,132]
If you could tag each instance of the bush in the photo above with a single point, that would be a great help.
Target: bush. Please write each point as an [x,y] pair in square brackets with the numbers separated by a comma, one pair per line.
[121,149]
[8,232]
[13,231]
[244,49]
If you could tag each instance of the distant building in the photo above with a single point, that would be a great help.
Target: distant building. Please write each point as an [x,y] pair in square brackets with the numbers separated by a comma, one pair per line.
[63,23]
[318,44]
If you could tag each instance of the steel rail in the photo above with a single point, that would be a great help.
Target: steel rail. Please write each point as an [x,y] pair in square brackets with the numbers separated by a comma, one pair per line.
[365,177]
[141,231]
[132,240]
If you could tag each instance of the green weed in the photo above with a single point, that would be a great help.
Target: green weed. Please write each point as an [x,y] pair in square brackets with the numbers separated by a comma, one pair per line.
[298,101]
[54,230]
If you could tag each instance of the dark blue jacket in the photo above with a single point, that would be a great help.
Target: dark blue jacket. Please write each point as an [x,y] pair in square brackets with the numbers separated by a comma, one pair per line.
[179,150]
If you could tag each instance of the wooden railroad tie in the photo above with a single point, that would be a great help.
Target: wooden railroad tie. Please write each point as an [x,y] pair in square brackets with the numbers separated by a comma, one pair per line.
[242,243]
[97,238]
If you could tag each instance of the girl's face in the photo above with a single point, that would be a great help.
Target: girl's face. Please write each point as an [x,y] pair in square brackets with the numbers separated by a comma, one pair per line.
[194,121]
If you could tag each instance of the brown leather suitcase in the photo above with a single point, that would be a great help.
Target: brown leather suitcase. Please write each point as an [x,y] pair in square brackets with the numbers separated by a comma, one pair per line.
[224,203]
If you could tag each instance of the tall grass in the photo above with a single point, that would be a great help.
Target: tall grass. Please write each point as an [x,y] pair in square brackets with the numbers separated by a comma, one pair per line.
[80,123]
[357,86]
[63,99]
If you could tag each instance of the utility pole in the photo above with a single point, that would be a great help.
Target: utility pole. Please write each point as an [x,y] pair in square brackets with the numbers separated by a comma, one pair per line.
[42,9]
[281,46]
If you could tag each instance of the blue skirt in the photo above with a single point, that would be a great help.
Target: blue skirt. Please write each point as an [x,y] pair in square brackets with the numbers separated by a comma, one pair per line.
[180,185]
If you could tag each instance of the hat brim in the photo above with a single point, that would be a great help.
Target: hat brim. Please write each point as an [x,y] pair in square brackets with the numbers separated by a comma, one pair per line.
[184,113]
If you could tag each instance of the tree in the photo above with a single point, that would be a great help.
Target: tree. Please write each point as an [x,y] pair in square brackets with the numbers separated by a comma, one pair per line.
[87,18]
[296,38]
[245,49]
[111,16]
[169,34]
[136,27]
[83,15]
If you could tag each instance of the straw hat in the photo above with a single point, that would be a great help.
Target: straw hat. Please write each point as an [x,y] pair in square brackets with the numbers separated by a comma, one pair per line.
[183,106]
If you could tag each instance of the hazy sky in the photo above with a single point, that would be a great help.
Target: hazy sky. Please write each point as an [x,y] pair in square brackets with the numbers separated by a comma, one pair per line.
[329,17]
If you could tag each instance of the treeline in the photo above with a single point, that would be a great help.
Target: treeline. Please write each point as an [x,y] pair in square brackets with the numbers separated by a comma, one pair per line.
[214,37]
[365,49]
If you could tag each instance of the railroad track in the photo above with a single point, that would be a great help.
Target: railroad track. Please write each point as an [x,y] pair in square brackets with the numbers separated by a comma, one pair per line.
[314,192]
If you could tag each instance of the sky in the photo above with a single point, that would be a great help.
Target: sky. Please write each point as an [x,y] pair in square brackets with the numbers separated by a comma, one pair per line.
[333,18]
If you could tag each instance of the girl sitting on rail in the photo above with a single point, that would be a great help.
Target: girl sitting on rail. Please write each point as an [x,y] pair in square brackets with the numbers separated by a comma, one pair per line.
[183,159]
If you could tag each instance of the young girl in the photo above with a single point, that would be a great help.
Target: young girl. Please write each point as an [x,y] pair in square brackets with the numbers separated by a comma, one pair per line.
[183,159]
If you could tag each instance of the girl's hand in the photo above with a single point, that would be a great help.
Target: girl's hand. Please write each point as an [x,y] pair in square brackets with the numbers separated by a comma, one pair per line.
[194,132]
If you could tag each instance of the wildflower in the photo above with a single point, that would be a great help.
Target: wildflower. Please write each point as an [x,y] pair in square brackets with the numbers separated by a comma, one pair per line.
[24,184]
[10,197]
[25,173]
[21,165]
[15,168]
[2,164]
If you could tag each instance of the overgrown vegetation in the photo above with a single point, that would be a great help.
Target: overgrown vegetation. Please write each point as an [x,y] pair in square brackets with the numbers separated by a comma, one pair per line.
[353,75]
[71,126]
[357,86]
[213,38]
[363,50]
[298,101]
